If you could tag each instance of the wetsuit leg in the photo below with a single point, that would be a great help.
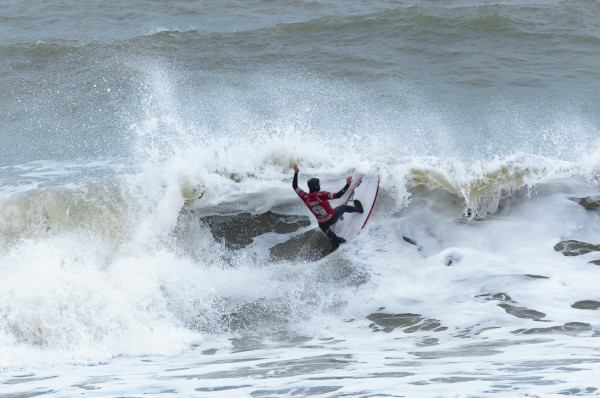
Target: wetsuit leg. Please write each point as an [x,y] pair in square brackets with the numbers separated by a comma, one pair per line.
[326,228]
[340,210]
[336,241]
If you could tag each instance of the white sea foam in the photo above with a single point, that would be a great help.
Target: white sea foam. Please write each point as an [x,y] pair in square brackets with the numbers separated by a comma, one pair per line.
[68,289]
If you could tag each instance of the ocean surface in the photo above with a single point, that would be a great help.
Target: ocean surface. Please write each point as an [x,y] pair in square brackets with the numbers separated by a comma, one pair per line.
[151,242]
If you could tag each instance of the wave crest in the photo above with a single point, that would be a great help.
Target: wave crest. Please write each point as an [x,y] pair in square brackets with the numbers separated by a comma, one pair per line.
[96,209]
[483,184]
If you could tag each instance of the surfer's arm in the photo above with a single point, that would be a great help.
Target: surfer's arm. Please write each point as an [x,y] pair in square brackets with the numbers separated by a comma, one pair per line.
[295,180]
[343,190]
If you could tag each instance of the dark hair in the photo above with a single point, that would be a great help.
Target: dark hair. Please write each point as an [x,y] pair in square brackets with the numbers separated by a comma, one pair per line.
[313,185]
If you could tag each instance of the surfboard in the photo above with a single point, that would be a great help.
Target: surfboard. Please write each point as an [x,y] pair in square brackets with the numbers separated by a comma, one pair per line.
[365,188]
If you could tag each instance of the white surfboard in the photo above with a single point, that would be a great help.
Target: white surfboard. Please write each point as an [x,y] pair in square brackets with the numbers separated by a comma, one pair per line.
[365,189]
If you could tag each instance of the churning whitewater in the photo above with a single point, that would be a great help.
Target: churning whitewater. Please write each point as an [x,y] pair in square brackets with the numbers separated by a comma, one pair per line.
[151,241]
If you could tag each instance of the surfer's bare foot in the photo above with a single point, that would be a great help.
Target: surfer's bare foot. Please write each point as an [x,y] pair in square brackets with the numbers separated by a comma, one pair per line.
[358,206]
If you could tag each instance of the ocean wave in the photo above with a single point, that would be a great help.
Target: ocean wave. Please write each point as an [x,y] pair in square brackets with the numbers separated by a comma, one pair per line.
[46,48]
[176,251]
[568,19]
[421,21]
[416,21]
[108,209]
[98,210]
[483,184]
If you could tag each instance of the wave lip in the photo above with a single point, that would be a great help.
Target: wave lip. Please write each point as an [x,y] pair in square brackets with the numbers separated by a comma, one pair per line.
[483,184]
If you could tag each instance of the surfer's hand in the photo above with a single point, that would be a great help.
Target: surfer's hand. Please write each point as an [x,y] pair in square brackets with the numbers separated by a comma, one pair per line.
[296,169]
[349,180]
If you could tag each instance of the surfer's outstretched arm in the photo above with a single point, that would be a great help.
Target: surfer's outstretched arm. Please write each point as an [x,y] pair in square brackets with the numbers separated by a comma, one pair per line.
[295,180]
[343,190]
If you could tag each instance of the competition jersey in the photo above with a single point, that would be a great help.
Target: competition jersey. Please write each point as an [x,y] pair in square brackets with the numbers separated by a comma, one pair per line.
[318,203]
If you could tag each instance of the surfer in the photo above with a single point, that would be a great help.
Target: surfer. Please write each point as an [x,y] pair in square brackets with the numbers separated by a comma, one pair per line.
[318,203]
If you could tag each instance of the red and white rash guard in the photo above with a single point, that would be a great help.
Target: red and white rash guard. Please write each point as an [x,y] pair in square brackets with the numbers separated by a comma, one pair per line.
[318,203]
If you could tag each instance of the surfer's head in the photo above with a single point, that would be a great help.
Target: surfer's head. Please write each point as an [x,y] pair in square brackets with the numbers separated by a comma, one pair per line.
[313,185]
